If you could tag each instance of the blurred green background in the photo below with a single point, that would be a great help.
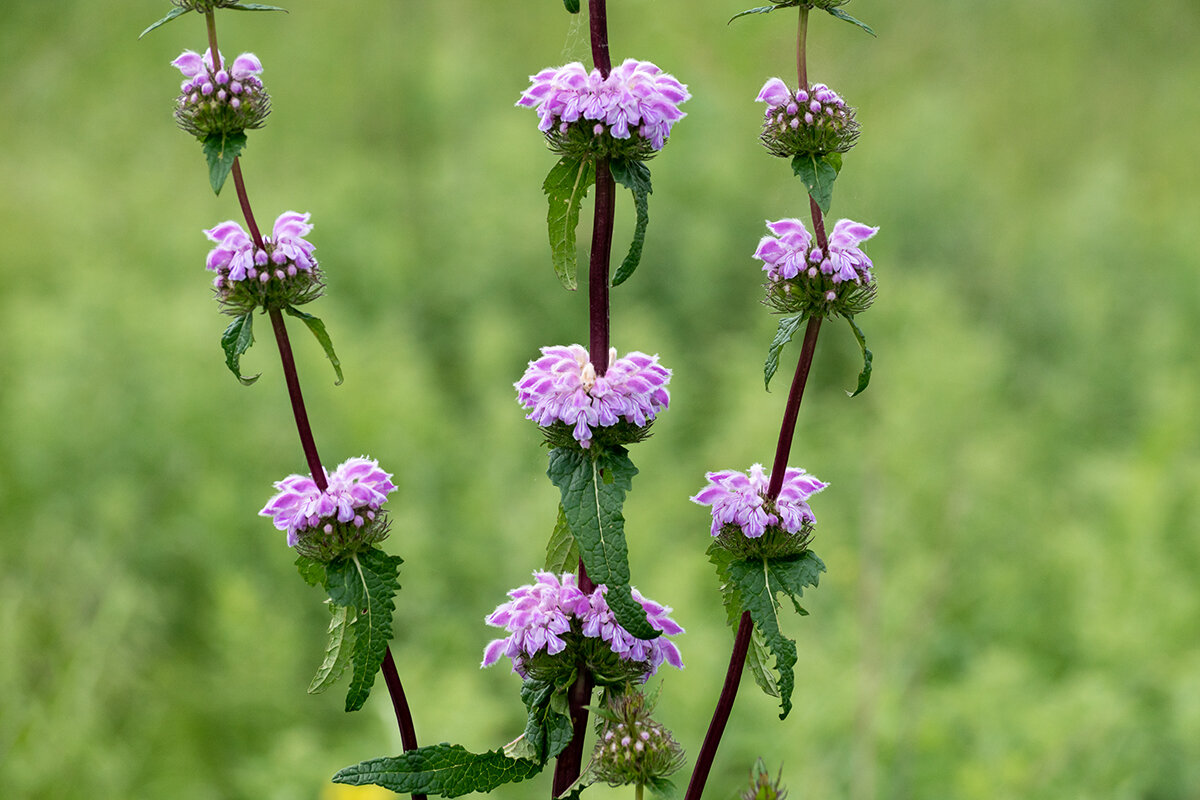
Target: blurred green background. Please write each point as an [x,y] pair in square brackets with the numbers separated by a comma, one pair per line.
[1011,607]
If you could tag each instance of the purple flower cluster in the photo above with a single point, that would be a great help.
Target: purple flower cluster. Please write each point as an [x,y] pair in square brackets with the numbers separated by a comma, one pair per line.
[224,99]
[562,386]
[739,499]
[285,253]
[813,120]
[791,252]
[539,617]
[356,491]
[636,98]
[226,84]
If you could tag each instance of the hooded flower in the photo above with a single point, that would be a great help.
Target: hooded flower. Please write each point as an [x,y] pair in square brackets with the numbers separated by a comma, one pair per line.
[739,499]
[356,491]
[562,386]
[283,272]
[549,614]
[225,99]
[792,253]
[636,101]
[812,121]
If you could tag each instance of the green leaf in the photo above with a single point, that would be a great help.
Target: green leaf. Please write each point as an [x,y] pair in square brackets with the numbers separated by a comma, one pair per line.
[662,788]
[442,769]
[172,14]
[318,330]
[235,341]
[221,149]
[337,650]
[572,6]
[818,175]
[760,667]
[593,487]
[547,732]
[565,188]
[562,554]
[758,581]
[864,377]
[783,334]
[635,176]
[311,570]
[365,582]
[749,11]
[255,7]
[837,12]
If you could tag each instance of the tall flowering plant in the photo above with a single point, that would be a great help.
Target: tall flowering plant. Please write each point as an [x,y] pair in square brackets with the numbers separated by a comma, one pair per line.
[581,628]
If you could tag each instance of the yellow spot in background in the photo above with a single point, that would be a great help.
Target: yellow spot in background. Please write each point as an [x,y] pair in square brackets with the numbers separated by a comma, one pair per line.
[340,791]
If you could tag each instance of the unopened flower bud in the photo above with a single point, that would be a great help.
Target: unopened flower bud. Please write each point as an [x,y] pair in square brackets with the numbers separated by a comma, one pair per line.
[244,106]
[811,121]
[245,280]
[649,757]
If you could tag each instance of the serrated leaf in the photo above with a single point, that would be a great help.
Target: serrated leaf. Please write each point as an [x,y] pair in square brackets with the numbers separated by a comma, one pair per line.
[235,341]
[864,377]
[783,334]
[221,149]
[818,175]
[443,769]
[172,14]
[255,7]
[565,187]
[593,487]
[311,570]
[337,650]
[318,330]
[365,582]
[758,581]
[562,554]
[572,6]
[837,12]
[635,176]
[547,730]
[760,667]
[721,558]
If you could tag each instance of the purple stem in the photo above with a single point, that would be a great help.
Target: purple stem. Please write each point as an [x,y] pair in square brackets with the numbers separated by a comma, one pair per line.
[602,236]
[716,728]
[787,430]
[391,677]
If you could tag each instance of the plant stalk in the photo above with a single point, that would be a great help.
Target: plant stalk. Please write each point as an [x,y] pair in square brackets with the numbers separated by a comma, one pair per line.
[716,728]
[408,734]
[598,279]
[801,48]
[787,429]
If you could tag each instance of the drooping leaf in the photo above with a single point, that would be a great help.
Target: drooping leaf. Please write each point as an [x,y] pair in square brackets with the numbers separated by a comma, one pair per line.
[255,7]
[235,341]
[565,187]
[593,487]
[572,6]
[783,334]
[635,176]
[818,175]
[562,554]
[864,377]
[442,769]
[318,330]
[837,12]
[366,582]
[221,149]
[547,731]
[337,649]
[759,580]
[760,666]
[749,11]
[311,570]
[172,14]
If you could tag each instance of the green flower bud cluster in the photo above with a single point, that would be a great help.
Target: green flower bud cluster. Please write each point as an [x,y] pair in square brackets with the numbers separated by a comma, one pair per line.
[762,787]
[632,747]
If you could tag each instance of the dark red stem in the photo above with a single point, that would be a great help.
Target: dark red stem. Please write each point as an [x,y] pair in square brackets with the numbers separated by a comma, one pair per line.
[791,411]
[598,22]
[716,728]
[298,411]
[602,235]
[408,734]
[244,201]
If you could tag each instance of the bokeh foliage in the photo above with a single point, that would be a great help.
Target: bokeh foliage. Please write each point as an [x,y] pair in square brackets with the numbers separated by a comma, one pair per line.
[1012,526]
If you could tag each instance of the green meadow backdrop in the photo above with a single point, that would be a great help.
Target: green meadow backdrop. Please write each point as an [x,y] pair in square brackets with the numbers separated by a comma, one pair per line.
[1012,528]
